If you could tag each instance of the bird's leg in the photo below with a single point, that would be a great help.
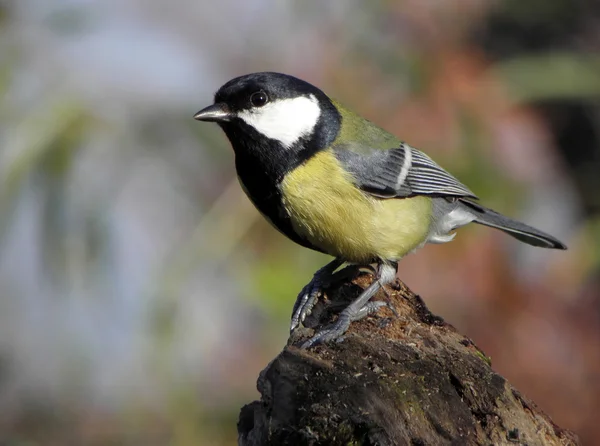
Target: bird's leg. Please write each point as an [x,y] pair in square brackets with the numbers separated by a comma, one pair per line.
[307,298]
[358,309]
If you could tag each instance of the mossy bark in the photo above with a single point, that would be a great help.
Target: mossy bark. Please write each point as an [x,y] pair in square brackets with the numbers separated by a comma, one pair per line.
[410,379]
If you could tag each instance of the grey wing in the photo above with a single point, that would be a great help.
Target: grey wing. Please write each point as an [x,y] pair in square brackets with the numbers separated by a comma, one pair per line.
[400,172]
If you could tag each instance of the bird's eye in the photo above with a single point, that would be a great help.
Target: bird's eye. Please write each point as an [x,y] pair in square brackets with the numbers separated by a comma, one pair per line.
[259,98]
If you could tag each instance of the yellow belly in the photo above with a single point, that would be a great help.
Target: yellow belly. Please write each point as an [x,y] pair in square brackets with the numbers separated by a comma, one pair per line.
[338,218]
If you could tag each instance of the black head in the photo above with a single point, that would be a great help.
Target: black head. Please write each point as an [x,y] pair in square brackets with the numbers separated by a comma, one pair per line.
[270,114]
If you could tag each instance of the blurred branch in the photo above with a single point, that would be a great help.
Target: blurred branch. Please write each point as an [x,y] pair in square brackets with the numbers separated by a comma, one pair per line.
[215,238]
[218,233]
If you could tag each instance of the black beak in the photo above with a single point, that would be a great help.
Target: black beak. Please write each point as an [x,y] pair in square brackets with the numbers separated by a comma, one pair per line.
[218,112]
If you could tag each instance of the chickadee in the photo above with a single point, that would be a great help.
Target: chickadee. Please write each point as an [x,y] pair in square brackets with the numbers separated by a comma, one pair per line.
[336,183]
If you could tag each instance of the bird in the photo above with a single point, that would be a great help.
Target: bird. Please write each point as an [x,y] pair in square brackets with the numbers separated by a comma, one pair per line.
[332,181]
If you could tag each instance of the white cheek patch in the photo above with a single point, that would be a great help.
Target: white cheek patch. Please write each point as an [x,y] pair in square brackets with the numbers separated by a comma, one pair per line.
[285,120]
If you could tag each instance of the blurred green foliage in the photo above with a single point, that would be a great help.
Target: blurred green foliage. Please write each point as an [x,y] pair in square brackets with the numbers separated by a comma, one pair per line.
[552,76]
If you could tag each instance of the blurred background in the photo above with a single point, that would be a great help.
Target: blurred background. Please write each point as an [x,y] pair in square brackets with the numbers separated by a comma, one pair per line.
[141,293]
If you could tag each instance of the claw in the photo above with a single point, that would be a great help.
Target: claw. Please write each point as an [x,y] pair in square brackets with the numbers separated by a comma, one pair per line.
[305,303]
[310,294]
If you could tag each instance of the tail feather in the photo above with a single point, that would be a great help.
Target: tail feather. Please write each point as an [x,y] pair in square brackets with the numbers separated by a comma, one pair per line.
[518,230]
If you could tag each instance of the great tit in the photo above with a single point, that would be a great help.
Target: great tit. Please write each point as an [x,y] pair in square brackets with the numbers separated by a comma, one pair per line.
[336,183]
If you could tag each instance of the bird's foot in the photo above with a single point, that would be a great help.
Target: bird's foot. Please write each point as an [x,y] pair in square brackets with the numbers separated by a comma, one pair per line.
[336,331]
[323,279]
[358,309]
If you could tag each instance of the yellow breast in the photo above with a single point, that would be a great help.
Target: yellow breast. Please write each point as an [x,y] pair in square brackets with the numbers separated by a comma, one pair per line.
[329,211]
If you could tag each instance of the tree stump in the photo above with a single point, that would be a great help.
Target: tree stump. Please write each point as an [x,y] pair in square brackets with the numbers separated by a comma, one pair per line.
[409,379]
